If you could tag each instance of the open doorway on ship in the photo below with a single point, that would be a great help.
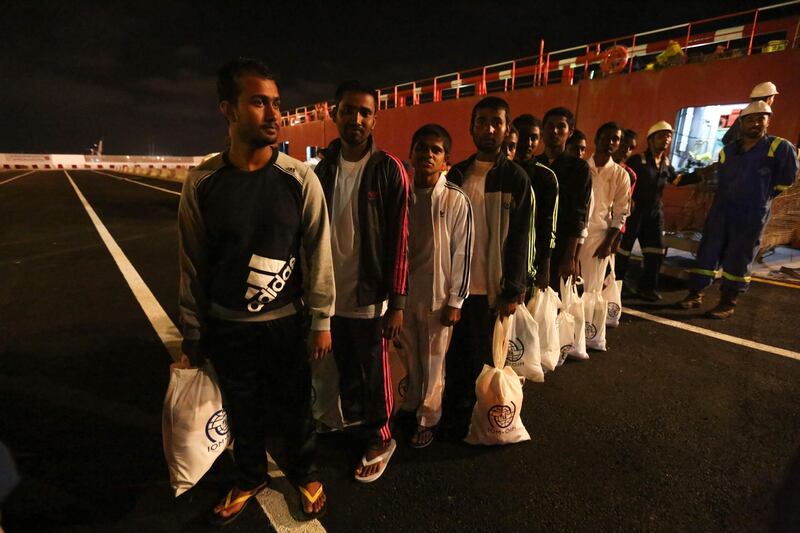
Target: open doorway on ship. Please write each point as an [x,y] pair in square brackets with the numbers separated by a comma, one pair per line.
[698,134]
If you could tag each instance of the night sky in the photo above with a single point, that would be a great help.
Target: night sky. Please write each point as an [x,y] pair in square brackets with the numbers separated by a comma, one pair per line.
[142,74]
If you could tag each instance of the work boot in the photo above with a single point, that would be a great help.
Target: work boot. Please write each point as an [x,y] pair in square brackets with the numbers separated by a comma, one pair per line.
[725,307]
[693,300]
[627,292]
[649,295]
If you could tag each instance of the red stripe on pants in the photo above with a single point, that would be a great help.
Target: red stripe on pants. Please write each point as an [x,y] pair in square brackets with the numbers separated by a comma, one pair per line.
[388,391]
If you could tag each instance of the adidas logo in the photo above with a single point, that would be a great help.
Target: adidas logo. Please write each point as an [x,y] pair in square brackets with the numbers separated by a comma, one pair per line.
[267,278]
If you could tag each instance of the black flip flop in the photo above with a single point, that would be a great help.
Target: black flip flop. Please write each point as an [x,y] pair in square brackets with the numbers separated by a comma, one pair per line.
[417,433]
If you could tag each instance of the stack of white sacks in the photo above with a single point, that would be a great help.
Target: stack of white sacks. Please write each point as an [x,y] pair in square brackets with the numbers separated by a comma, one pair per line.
[536,339]
[550,329]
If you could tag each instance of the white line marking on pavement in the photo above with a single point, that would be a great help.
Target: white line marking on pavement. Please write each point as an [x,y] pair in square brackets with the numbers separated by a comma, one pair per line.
[165,329]
[714,334]
[137,182]
[17,177]
[273,503]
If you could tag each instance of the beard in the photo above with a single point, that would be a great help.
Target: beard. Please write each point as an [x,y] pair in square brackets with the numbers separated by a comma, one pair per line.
[486,145]
[754,133]
[263,142]
[354,136]
[257,136]
[555,142]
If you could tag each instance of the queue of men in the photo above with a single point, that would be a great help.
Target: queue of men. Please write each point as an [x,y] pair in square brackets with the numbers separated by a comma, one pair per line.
[281,264]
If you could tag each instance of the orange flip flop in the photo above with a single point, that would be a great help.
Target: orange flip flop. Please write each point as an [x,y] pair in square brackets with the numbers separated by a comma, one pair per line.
[244,498]
[312,499]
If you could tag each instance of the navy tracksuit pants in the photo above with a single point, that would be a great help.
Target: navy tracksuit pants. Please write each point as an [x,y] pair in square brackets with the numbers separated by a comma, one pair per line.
[365,378]
[470,349]
[264,365]
[648,227]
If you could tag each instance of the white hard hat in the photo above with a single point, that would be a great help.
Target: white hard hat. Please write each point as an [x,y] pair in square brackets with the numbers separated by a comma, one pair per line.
[759,107]
[762,90]
[661,125]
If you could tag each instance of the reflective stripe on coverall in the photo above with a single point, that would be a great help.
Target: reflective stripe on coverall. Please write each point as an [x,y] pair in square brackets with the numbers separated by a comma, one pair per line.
[748,181]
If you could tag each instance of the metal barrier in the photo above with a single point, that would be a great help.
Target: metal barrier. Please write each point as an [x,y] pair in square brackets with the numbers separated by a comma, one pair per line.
[742,33]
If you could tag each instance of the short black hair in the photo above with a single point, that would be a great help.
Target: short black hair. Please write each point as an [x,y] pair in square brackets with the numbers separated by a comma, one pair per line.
[607,126]
[228,75]
[437,131]
[561,112]
[490,102]
[527,121]
[513,129]
[576,137]
[356,86]
[629,134]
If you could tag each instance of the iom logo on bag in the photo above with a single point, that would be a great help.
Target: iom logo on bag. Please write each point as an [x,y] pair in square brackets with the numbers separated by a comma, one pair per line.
[402,388]
[613,310]
[217,430]
[562,357]
[515,351]
[591,331]
[501,416]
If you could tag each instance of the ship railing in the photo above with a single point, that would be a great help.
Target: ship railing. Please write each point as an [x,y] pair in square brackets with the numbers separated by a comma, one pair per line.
[766,29]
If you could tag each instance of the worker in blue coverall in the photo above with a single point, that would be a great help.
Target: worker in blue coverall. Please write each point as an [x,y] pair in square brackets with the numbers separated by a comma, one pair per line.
[646,221]
[751,172]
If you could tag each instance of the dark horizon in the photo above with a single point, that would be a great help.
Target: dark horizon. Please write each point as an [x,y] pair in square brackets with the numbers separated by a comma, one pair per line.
[143,77]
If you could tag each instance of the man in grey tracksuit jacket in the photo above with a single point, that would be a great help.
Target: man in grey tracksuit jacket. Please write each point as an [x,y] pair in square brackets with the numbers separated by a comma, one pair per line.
[255,261]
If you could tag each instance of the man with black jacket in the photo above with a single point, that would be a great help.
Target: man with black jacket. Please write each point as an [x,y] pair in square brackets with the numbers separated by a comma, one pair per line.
[367,192]
[646,222]
[545,191]
[529,129]
[574,193]
[503,209]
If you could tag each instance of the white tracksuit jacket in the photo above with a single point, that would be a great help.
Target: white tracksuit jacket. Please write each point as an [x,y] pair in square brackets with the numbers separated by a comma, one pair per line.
[423,341]
[610,207]
[611,197]
[452,244]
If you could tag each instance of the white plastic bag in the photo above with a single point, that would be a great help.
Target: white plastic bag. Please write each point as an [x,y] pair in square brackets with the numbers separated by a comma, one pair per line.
[496,415]
[194,425]
[565,323]
[397,365]
[612,293]
[544,309]
[325,406]
[594,305]
[573,304]
[523,346]
[596,309]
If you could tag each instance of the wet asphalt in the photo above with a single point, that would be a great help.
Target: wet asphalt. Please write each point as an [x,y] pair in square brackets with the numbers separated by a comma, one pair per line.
[666,431]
